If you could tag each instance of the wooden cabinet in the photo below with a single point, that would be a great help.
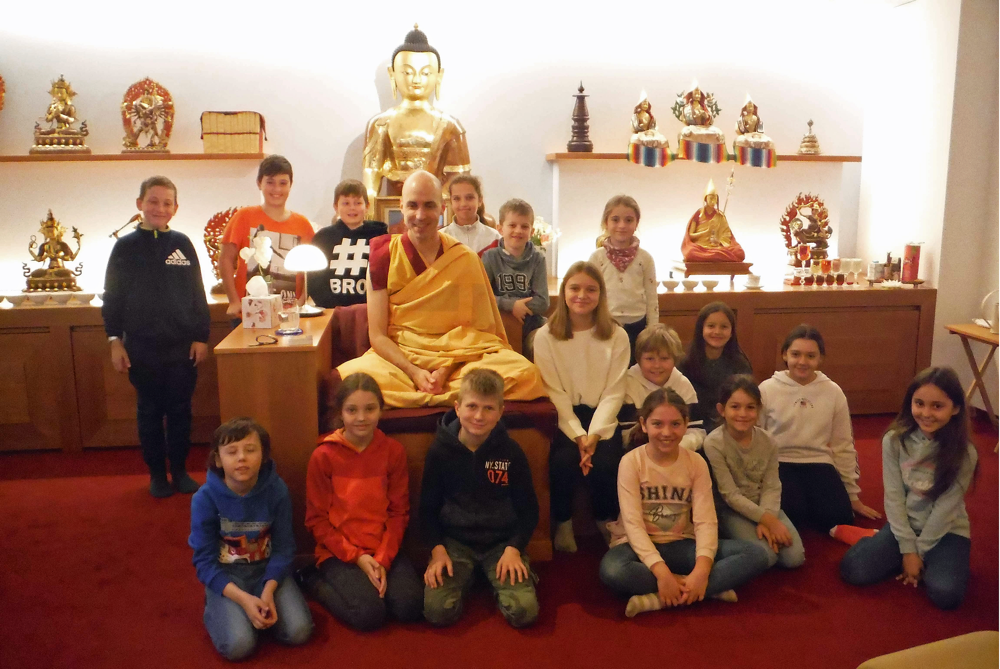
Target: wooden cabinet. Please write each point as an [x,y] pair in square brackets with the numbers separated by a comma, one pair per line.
[876,339]
[58,389]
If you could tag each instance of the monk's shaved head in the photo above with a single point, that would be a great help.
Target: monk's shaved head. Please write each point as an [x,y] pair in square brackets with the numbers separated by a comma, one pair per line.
[424,183]
[421,204]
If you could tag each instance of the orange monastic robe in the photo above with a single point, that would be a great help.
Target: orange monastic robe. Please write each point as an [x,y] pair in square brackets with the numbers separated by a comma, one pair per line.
[443,315]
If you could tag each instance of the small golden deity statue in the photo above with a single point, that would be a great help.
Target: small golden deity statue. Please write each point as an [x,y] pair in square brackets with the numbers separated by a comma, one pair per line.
[708,237]
[55,277]
[697,111]
[413,135]
[809,145]
[644,125]
[750,129]
[61,136]
[147,114]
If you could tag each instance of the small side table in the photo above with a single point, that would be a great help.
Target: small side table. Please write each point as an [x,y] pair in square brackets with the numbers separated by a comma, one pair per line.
[973,332]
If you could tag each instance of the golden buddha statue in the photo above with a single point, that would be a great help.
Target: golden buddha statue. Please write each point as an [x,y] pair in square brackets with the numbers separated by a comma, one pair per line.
[697,110]
[750,129]
[61,136]
[644,125]
[57,252]
[413,135]
[708,237]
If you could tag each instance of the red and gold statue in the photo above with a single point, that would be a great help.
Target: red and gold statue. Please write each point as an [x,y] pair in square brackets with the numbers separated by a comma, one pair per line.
[708,237]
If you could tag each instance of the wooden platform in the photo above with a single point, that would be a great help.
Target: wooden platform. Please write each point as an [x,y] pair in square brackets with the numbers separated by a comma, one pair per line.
[729,269]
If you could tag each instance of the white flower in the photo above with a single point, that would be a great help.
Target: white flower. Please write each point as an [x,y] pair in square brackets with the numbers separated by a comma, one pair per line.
[260,252]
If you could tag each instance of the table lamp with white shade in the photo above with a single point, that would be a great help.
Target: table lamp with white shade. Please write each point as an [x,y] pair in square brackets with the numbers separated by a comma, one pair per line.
[306,258]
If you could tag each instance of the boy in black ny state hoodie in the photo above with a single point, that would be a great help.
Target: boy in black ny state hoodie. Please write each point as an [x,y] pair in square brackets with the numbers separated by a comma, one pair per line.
[157,321]
[477,507]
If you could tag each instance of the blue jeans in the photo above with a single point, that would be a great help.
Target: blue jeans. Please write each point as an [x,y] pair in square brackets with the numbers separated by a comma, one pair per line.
[233,635]
[736,562]
[946,566]
[734,526]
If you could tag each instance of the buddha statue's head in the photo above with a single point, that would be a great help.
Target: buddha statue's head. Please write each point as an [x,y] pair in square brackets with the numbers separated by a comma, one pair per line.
[416,69]
[711,198]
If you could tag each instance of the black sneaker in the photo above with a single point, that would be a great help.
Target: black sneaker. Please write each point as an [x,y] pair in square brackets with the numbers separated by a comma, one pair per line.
[184,483]
[159,486]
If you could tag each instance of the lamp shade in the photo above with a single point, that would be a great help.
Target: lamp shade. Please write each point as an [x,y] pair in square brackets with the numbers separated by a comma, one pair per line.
[305,258]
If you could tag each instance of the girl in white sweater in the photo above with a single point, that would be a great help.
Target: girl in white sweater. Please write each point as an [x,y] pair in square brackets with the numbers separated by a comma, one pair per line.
[583,355]
[628,271]
[469,224]
[806,415]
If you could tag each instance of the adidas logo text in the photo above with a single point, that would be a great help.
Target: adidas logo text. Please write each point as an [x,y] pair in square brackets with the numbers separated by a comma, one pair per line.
[177,258]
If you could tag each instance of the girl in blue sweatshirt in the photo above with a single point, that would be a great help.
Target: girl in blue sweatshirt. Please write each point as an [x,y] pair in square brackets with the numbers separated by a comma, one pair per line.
[927,467]
[241,533]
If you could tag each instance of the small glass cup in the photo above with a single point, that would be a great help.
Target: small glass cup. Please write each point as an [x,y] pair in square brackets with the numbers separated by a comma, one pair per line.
[835,265]
[288,317]
[840,278]
[825,265]
[803,253]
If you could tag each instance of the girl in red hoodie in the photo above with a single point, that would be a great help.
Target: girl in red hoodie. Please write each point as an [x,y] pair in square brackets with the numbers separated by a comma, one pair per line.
[357,507]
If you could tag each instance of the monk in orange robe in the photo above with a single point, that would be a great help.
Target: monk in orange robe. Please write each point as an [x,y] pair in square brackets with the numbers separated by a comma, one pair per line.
[708,237]
[432,315]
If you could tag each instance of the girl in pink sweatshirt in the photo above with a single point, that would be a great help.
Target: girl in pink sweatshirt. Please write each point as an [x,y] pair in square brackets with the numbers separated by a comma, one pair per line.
[665,549]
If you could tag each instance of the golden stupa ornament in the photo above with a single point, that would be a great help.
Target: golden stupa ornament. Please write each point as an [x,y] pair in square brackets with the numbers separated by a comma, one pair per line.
[61,136]
[148,117]
[809,145]
[55,277]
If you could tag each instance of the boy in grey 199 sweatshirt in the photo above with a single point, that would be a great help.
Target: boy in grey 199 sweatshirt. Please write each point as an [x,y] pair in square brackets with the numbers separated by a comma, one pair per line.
[515,278]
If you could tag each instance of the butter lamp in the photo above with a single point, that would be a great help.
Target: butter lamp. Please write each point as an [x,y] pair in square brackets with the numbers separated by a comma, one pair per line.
[306,258]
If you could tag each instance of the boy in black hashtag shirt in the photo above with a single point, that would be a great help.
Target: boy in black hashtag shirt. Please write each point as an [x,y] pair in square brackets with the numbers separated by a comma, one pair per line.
[157,321]
[345,244]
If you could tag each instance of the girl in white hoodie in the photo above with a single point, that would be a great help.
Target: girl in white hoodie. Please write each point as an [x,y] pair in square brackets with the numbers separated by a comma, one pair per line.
[806,415]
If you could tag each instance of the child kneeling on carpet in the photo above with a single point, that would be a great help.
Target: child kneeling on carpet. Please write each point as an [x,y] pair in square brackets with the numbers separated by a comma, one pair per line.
[745,463]
[241,533]
[665,543]
[478,507]
[357,507]
[928,464]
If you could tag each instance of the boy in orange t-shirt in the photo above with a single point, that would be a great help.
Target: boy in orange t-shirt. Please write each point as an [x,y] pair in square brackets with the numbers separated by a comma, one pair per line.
[285,228]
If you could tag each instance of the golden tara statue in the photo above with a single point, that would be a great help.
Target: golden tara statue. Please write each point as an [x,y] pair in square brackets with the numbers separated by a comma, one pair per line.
[413,135]
[644,125]
[61,136]
[147,115]
[750,129]
[55,277]
[697,111]
[708,237]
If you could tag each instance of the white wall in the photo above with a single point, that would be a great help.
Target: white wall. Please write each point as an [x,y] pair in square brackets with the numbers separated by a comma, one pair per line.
[317,73]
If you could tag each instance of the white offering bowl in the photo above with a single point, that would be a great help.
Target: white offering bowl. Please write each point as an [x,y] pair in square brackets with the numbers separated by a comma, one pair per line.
[83,298]
[690,284]
[710,284]
[38,299]
[670,284]
[62,298]
[18,299]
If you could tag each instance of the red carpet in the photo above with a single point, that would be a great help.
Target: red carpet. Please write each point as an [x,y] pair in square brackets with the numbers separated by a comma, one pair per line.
[95,573]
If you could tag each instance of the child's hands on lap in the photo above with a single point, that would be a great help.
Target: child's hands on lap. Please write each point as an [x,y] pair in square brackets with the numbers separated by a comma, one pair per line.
[440,562]
[763,532]
[269,611]
[374,571]
[520,309]
[862,509]
[254,607]
[668,588]
[587,445]
[912,568]
[778,534]
[511,562]
[696,582]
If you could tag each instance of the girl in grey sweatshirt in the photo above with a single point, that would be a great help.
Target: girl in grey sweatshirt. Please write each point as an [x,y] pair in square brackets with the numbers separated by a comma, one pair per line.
[927,467]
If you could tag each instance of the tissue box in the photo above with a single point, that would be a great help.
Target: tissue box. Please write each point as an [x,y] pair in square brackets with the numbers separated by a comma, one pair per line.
[261,313]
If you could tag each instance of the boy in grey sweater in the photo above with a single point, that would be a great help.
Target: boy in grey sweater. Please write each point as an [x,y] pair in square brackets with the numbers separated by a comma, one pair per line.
[517,271]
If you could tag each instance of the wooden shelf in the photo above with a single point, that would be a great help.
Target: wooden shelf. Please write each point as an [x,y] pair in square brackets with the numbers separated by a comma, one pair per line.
[791,157]
[103,157]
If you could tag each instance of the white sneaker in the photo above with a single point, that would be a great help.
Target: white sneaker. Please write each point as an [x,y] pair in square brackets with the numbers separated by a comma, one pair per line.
[563,540]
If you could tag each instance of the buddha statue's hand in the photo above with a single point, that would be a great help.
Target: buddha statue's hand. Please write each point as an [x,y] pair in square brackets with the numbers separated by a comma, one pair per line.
[424,381]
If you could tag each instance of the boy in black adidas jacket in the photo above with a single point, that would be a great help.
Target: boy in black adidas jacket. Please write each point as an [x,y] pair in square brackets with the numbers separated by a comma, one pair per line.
[477,507]
[156,318]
